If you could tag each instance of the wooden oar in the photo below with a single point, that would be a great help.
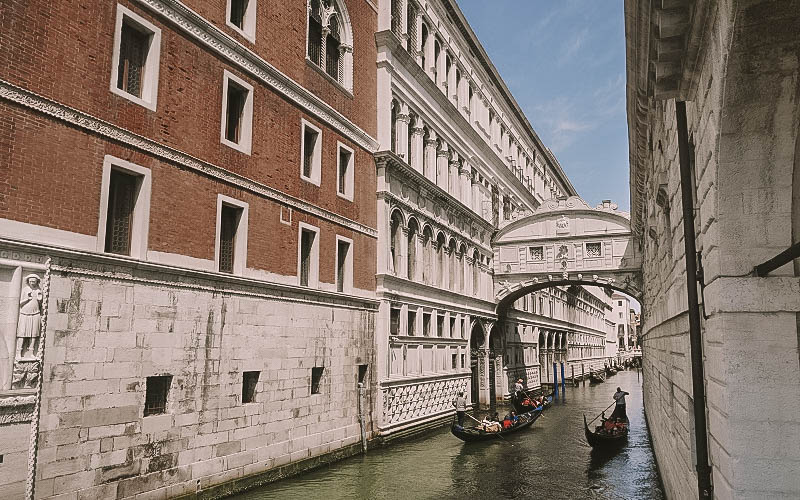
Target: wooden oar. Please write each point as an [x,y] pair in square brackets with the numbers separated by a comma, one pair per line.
[607,407]
[496,434]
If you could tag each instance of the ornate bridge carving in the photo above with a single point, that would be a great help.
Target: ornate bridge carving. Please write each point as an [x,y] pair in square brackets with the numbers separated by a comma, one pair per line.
[566,242]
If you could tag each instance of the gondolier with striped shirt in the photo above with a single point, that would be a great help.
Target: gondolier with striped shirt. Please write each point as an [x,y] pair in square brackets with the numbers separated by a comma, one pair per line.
[619,410]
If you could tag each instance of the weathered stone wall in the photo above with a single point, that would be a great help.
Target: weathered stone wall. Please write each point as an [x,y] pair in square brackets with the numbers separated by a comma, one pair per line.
[110,327]
[743,122]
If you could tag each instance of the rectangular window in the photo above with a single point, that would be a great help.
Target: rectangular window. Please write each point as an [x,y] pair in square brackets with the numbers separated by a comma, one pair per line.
[229,222]
[619,303]
[454,362]
[119,218]
[316,378]
[463,360]
[345,174]
[452,326]
[394,321]
[249,382]
[124,208]
[306,246]
[412,323]
[440,325]
[536,254]
[242,18]
[362,373]
[157,392]
[135,59]
[237,113]
[426,324]
[594,250]
[311,153]
[230,251]
[344,264]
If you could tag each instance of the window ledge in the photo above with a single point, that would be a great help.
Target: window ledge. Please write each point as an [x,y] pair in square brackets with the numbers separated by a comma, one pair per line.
[348,93]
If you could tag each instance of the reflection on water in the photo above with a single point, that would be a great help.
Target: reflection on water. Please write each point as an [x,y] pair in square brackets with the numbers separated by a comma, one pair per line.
[550,459]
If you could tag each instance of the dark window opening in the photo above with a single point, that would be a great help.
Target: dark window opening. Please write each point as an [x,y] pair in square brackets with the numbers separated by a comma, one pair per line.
[394,321]
[362,373]
[119,217]
[342,249]
[344,166]
[229,223]
[440,325]
[132,56]
[315,33]
[238,9]
[309,144]
[157,391]
[426,324]
[452,327]
[333,56]
[454,361]
[237,96]
[306,245]
[463,360]
[249,382]
[316,378]
[412,323]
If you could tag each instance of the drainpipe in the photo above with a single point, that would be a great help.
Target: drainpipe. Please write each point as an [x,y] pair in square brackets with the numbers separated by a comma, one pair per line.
[361,418]
[698,380]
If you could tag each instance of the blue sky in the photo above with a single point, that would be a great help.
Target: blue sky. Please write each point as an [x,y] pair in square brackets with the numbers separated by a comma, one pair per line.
[564,61]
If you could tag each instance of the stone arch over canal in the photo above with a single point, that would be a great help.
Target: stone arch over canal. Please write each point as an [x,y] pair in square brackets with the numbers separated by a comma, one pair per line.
[564,243]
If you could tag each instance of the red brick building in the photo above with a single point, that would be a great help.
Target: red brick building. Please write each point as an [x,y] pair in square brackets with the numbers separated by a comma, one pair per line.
[200,174]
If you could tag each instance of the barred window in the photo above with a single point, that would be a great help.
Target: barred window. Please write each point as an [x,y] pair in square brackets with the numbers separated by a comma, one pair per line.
[156,393]
[593,250]
[330,40]
[536,253]
[119,221]
[132,54]
[229,221]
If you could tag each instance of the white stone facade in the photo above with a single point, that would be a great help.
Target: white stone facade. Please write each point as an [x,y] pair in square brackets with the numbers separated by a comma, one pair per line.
[736,67]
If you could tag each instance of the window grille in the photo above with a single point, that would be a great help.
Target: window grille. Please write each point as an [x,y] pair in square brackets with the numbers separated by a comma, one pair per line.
[593,250]
[132,57]
[411,18]
[119,218]
[536,253]
[332,53]
[397,20]
[229,220]
[157,391]
[315,33]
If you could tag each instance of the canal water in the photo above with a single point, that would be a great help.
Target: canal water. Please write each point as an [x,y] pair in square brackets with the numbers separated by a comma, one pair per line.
[548,460]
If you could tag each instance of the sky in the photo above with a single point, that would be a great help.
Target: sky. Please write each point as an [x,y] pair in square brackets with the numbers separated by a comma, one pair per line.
[564,62]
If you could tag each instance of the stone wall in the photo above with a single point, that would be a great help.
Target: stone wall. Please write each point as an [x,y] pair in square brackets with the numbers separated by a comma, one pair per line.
[743,121]
[111,326]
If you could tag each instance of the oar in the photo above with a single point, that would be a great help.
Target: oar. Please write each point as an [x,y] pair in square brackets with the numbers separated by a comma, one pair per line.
[493,433]
[607,407]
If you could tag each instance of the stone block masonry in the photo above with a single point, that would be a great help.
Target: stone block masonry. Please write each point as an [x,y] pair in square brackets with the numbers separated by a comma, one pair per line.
[95,439]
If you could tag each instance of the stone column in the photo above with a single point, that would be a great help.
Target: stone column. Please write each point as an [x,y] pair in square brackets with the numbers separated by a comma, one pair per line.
[8,337]
[403,271]
[451,84]
[441,166]
[430,157]
[453,187]
[323,51]
[346,65]
[440,69]
[476,194]
[417,147]
[401,127]
[418,48]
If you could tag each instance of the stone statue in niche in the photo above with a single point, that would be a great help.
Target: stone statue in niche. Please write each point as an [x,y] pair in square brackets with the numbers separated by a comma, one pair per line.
[30,318]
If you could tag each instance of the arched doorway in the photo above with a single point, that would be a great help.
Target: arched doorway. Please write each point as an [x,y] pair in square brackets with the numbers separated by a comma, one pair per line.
[477,339]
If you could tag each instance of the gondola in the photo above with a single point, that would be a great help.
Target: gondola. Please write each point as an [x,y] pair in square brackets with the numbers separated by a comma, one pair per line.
[600,439]
[596,378]
[472,434]
[521,407]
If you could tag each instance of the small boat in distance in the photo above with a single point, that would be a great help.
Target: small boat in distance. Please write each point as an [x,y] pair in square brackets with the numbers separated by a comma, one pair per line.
[609,434]
[471,434]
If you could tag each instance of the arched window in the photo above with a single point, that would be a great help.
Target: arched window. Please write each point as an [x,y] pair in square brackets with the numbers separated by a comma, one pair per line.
[412,120]
[395,111]
[441,261]
[437,49]
[424,36]
[448,64]
[394,242]
[476,273]
[462,258]
[330,43]
[412,250]
[427,255]
[453,267]
[470,99]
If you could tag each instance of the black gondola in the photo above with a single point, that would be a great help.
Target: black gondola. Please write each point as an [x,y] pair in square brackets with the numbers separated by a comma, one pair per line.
[520,405]
[471,434]
[601,438]
[596,378]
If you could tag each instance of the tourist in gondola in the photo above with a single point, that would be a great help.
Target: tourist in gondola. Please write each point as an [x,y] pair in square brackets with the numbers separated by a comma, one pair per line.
[619,409]
[461,407]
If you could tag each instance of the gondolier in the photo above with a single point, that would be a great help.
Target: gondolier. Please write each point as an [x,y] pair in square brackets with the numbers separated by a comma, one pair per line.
[620,411]
[461,407]
[518,389]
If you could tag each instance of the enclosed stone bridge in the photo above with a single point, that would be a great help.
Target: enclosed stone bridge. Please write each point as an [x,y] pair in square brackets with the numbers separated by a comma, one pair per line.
[566,242]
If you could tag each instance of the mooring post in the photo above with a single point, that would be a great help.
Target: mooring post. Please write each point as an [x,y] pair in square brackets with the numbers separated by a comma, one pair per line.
[563,384]
[573,374]
[555,380]
[583,375]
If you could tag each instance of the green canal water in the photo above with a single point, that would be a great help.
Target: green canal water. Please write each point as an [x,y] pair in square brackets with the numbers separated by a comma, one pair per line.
[549,460]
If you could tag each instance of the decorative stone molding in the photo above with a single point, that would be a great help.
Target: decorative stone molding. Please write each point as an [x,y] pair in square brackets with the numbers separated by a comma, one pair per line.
[235,53]
[411,401]
[15,409]
[97,126]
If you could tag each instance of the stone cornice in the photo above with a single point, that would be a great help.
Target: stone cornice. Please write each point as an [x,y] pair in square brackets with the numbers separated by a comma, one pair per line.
[194,25]
[119,268]
[16,407]
[110,131]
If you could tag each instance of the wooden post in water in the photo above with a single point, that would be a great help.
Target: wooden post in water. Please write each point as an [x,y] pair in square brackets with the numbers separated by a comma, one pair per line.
[573,374]
[563,384]
[555,380]
[583,375]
